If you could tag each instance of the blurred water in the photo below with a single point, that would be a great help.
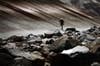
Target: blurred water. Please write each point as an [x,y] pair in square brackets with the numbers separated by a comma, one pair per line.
[25,17]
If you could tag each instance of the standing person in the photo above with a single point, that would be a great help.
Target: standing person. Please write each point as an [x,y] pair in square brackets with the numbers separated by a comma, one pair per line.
[61,23]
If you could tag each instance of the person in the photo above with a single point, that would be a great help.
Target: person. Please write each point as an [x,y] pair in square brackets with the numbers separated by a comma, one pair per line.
[61,23]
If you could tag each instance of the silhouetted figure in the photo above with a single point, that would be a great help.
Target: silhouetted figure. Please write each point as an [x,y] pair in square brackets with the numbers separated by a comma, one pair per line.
[61,23]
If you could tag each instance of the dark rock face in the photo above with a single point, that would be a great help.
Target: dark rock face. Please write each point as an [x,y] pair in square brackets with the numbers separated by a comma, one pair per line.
[61,60]
[6,59]
[22,62]
[38,62]
[5,51]
[79,60]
